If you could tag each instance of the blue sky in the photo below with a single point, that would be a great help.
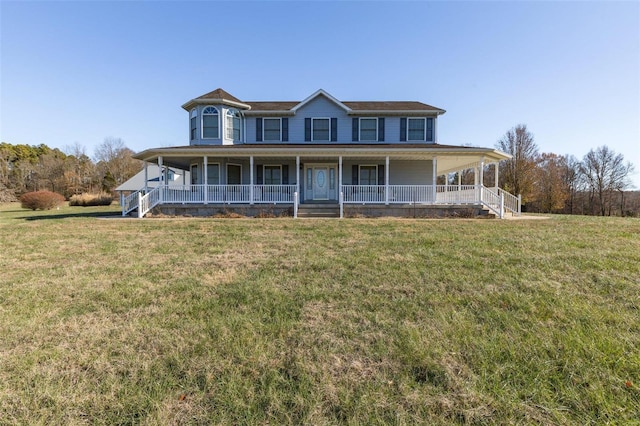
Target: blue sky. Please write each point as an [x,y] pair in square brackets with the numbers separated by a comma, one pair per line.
[77,72]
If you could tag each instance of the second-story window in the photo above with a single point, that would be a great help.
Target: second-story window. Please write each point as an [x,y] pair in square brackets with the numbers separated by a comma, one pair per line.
[233,125]
[320,129]
[210,124]
[271,129]
[368,129]
[415,129]
[192,124]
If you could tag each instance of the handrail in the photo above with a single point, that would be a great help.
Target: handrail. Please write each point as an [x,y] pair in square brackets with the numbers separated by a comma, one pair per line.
[511,202]
[130,203]
[493,201]
[148,201]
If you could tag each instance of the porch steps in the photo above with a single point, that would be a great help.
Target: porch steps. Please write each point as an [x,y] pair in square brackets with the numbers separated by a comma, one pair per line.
[318,211]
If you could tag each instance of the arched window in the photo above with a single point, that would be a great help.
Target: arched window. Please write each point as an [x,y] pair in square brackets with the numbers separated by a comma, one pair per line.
[210,124]
[192,124]
[233,125]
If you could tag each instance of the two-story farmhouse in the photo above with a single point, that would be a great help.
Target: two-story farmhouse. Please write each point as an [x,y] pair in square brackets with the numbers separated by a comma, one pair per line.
[318,156]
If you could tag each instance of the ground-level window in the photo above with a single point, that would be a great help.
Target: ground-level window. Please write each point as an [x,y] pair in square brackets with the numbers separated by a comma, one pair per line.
[213,174]
[210,123]
[272,175]
[234,174]
[368,175]
[194,174]
[321,129]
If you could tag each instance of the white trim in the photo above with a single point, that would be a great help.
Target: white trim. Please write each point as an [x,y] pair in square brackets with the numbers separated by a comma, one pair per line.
[424,132]
[227,170]
[329,130]
[315,95]
[194,175]
[202,122]
[360,129]
[280,131]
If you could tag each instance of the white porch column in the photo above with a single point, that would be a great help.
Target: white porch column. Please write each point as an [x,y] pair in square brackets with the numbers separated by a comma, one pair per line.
[497,166]
[298,174]
[205,160]
[160,168]
[340,173]
[386,180]
[251,180]
[434,164]
[481,174]
[146,175]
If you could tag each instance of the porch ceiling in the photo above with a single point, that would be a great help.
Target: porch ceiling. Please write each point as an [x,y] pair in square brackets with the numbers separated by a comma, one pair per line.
[449,158]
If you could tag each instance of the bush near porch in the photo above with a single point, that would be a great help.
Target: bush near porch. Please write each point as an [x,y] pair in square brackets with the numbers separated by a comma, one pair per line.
[217,321]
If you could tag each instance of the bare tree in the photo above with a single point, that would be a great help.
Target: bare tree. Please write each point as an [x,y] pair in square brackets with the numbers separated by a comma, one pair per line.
[116,162]
[517,174]
[605,174]
[572,180]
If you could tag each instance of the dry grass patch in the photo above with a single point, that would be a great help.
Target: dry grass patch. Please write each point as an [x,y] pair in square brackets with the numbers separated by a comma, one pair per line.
[213,321]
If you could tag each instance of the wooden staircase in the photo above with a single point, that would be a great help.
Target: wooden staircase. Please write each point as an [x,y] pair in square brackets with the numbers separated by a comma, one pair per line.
[319,211]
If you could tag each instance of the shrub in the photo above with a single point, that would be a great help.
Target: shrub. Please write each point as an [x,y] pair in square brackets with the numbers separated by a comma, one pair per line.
[85,200]
[43,200]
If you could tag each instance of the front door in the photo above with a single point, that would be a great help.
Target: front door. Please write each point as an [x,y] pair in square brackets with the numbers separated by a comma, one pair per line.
[320,183]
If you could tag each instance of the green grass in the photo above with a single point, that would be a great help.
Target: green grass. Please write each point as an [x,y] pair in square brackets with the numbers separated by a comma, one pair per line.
[282,321]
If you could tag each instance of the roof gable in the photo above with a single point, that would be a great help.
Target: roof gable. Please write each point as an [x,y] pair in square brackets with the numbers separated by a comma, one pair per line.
[320,92]
[218,96]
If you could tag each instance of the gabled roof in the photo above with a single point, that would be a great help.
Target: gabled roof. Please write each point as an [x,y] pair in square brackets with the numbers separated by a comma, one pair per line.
[218,96]
[320,92]
[356,108]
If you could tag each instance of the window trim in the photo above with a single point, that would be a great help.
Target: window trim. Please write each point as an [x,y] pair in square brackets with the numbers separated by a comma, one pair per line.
[230,112]
[313,119]
[196,175]
[360,166]
[193,126]
[264,127]
[424,130]
[202,121]
[209,176]
[264,173]
[227,175]
[360,129]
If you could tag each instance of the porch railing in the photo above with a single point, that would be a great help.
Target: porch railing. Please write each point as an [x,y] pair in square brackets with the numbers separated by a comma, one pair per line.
[227,194]
[130,203]
[511,202]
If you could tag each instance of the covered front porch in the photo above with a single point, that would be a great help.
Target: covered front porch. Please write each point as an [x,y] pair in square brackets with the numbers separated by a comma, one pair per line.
[286,176]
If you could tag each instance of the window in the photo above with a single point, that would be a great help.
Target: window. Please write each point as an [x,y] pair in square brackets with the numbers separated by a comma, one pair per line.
[213,174]
[271,129]
[192,124]
[233,125]
[416,129]
[320,129]
[368,129]
[210,123]
[368,175]
[309,179]
[272,175]
[234,174]
[194,174]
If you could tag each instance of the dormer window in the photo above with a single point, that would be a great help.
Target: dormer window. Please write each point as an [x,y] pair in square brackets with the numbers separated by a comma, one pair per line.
[233,125]
[210,126]
[192,124]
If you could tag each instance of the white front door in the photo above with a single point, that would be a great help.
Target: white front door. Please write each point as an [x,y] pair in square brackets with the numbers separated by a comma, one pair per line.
[320,183]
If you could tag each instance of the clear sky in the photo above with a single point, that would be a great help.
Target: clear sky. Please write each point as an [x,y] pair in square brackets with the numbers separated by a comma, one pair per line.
[82,71]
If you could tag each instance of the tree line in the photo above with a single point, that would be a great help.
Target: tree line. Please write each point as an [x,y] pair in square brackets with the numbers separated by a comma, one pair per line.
[599,184]
[27,168]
